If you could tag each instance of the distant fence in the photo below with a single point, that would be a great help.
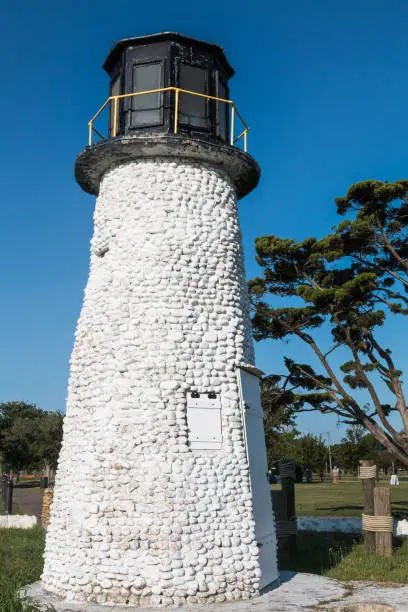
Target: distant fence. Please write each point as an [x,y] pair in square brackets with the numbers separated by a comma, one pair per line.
[6,492]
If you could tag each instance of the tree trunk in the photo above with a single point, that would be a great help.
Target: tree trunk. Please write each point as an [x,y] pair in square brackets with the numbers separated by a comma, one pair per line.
[47,469]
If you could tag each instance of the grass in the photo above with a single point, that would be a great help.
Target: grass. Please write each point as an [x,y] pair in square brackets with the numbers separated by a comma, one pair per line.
[355,565]
[21,563]
[342,499]
[342,556]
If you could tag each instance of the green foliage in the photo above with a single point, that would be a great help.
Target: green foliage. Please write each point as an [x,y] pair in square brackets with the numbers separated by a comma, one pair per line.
[281,436]
[313,453]
[30,438]
[49,437]
[356,445]
[279,421]
[347,283]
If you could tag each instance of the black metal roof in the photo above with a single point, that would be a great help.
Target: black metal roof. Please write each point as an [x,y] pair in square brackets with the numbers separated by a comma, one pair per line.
[162,36]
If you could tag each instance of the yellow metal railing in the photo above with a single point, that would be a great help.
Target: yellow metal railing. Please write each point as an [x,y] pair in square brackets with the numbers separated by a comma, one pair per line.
[115,101]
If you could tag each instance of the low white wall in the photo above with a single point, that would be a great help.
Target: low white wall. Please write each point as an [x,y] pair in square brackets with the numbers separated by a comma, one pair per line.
[345,525]
[20,521]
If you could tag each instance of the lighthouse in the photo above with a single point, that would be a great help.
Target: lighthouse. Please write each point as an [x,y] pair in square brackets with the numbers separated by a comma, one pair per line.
[161,494]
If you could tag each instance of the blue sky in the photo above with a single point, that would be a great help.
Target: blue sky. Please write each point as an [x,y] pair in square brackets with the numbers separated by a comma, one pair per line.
[322,84]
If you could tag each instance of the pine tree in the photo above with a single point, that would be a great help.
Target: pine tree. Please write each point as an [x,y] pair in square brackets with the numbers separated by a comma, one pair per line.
[347,283]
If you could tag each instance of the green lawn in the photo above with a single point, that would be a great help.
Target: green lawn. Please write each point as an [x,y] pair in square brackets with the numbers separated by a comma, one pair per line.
[20,564]
[348,565]
[342,499]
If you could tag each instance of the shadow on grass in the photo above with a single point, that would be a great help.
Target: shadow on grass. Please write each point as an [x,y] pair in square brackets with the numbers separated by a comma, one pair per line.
[318,552]
[314,552]
[340,508]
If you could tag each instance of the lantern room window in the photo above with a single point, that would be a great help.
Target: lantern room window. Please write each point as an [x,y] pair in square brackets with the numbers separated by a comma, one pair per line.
[147,109]
[115,91]
[222,108]
[194,110]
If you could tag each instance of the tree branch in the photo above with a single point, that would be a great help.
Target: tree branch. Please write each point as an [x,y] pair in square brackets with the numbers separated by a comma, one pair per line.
[390,248]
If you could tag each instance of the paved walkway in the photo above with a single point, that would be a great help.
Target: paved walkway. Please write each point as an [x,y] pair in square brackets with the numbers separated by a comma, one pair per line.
[296,593]
[29,500]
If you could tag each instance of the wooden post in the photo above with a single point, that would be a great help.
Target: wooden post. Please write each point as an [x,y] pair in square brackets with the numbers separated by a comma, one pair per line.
[368,507]
[9,505]
[288,477]
[382,507]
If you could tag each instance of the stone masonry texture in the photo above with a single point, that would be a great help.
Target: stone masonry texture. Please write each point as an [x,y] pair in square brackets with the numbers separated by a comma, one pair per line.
[139,518]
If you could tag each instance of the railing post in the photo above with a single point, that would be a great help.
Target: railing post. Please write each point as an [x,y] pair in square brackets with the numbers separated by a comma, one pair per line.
[176,109]
[90,133]
[232,125]
[9,506]
[115,116]
[245,140]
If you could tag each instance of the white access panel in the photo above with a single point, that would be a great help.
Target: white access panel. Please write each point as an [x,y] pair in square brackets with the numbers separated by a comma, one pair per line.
[258,469]
[204,421]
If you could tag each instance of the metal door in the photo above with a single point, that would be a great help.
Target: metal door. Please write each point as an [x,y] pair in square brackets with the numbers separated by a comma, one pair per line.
[258,469]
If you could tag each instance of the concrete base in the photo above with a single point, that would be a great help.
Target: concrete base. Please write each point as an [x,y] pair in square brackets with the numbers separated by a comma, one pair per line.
[296,593]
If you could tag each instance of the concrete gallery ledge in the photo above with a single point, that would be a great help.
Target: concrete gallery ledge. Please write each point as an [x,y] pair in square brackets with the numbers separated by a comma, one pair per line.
[296,593]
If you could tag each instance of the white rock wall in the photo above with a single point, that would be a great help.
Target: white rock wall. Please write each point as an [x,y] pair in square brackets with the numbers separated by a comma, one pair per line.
[137,517]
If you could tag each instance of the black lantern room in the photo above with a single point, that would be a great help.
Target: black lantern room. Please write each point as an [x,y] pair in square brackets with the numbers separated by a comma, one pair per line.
[169,60]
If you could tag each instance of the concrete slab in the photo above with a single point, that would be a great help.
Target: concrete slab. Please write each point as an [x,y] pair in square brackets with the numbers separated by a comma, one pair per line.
[296,593]
[375,595]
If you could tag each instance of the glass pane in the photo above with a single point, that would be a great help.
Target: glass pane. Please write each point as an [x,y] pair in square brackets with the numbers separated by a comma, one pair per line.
[193,109]
[115,91]
[222,109]
[146,109]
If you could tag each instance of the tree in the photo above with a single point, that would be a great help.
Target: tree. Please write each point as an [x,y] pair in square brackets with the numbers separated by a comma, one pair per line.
[49,438]
[346,284]
[355,445]
[279,422]
[29,437]
[387,462]
[18,423]
[313,452]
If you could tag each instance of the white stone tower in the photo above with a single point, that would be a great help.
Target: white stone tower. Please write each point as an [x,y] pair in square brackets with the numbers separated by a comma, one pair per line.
[161,494]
